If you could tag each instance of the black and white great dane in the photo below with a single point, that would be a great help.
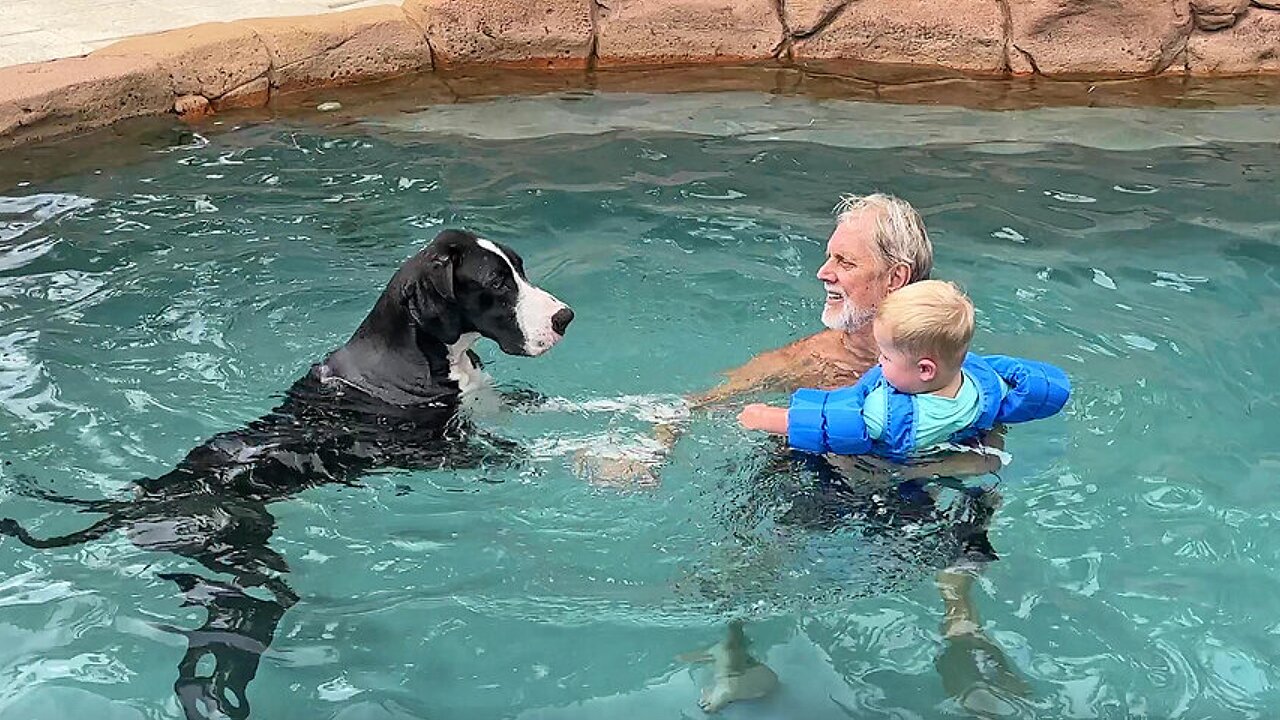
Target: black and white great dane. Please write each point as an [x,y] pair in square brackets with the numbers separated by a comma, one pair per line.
[389,397]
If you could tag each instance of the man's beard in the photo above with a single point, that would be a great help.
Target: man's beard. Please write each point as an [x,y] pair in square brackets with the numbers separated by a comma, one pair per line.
[848,317]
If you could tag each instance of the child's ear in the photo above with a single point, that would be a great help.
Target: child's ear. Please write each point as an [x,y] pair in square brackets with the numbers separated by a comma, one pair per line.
[928,369]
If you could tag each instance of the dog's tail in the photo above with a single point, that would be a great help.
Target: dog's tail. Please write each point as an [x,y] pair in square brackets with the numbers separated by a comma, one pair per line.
[9,526]
[27,486]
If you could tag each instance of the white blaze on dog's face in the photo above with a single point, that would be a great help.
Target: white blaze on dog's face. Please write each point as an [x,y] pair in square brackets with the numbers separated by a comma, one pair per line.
[541,317]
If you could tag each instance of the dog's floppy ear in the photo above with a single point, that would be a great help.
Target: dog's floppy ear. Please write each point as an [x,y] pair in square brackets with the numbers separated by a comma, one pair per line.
[431,311]
[430,294]
[439,273]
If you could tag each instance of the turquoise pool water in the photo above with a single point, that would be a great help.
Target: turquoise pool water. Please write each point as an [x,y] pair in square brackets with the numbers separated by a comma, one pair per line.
[147,307]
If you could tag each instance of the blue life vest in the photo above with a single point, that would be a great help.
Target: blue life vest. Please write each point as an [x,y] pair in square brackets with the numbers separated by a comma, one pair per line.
[824,421]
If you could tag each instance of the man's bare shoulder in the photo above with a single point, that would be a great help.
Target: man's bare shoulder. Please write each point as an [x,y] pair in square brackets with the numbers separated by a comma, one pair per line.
[802,357]
[827,362]
[824,344]
[801,349]
[818,360]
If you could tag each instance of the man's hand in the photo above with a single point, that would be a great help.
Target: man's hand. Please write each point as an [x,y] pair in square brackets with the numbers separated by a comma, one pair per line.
[622,473]
[758,416]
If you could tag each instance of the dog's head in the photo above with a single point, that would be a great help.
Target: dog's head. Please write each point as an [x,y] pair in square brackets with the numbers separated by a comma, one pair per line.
[463,283]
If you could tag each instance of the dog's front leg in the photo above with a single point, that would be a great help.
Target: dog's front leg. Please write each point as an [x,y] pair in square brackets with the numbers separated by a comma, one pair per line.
[238,630]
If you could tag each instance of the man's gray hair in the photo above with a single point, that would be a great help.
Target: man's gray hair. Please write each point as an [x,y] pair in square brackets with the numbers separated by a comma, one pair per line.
[900,235]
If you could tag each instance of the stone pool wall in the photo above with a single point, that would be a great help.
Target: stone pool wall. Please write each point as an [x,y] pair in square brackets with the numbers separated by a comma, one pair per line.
[242,64]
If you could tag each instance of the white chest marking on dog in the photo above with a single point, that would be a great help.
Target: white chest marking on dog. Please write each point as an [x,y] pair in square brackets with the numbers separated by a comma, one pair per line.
[461,369]
[534,308]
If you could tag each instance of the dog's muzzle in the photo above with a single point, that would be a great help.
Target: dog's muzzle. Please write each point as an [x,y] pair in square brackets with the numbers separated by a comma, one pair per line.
[542,318]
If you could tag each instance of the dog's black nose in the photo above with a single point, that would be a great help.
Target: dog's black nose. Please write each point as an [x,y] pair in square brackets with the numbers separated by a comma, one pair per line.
[561,320]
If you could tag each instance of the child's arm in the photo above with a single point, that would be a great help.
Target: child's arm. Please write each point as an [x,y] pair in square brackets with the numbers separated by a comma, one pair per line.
[817,421]
[821,421]
[758,416]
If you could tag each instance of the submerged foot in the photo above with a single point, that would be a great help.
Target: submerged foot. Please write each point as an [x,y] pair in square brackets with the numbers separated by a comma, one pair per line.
[736,674]
[754,682]
[972,661]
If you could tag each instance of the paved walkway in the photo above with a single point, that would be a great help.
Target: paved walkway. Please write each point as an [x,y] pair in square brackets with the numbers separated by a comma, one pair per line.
[36,30]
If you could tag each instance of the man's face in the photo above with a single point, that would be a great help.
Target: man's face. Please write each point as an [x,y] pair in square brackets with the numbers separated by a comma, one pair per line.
[853,275]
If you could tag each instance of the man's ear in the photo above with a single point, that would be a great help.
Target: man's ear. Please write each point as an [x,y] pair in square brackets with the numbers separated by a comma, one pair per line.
[899,276]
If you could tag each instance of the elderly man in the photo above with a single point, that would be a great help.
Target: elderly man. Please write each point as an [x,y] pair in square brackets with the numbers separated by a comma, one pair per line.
[879,245]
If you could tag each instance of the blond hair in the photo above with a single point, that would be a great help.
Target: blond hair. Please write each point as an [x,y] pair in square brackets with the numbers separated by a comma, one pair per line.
[900,237]
[930,318]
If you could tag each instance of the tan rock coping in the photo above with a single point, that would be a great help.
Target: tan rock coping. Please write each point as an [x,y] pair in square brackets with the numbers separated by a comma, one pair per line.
[903,50]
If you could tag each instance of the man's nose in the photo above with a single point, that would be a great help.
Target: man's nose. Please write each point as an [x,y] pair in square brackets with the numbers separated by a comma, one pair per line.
[825,274]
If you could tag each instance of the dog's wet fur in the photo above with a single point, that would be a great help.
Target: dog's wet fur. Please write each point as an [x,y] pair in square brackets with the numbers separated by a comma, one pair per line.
[387,398]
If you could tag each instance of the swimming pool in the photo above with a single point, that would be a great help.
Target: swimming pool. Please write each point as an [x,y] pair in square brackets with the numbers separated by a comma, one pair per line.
[149,306]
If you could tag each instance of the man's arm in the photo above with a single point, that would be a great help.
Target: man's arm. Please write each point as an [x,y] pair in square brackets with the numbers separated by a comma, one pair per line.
[782,369]
[770,370]
[785,368]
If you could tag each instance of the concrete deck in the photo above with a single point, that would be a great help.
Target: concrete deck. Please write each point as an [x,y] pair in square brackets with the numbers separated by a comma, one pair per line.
[38,30]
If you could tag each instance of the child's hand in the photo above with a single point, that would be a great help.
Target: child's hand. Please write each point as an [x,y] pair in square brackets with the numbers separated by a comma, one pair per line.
[758,416]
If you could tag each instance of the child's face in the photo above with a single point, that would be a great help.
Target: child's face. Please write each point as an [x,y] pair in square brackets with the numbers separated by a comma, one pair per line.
[906,373]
